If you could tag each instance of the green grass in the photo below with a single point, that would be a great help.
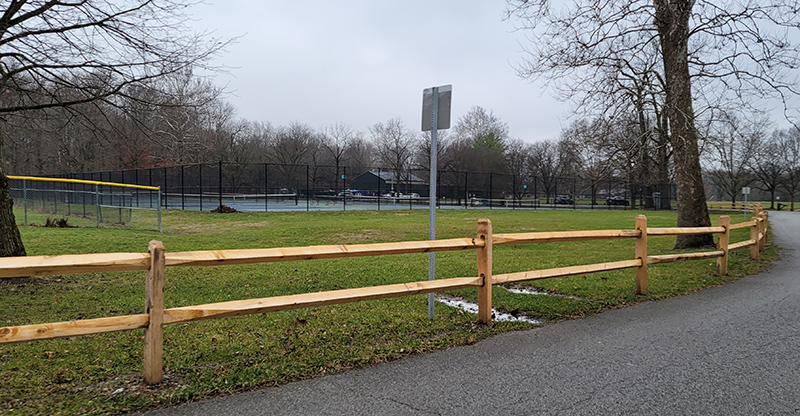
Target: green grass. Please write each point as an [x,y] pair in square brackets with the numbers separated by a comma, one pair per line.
[101,374]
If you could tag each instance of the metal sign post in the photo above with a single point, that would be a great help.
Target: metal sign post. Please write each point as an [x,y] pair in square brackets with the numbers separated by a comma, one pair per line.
[435,116]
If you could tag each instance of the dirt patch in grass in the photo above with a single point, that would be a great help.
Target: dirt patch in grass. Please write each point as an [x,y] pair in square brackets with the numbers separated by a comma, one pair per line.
[133,385]
[224,209]
[55,223]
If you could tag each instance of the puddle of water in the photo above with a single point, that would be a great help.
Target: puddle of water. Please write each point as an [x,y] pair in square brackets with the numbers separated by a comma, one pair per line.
[473,308]
[527,290]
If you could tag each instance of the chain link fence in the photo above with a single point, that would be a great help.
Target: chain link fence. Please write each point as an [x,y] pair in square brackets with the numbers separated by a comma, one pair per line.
[103,203]
[276,187]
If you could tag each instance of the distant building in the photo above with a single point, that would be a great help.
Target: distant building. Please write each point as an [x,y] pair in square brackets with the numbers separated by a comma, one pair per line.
[382,182]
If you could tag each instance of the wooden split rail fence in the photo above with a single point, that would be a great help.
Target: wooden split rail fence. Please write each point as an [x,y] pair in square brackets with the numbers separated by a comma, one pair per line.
[753,207]
[155,261]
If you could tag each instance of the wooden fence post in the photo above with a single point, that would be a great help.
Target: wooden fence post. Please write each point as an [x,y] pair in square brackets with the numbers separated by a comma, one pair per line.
[754,237]
[485,271]
[762,231]
[154,305]
[641,253]
[724,240]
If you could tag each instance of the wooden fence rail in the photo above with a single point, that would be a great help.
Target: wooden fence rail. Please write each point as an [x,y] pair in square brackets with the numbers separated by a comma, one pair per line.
[156,260]
[753,207]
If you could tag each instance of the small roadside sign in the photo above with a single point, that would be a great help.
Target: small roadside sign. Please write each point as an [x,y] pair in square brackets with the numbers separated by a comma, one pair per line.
[445,93]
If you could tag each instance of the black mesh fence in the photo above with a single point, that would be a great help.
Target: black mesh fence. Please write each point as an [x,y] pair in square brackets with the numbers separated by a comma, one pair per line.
[276,187]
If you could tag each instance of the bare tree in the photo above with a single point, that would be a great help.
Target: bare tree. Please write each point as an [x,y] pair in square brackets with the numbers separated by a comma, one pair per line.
[543,164]
[66,53]
[185,117]
[732,148]
[360,155]
[394,145]
[589,144]
[422,155]
[516,163]
[790,149]
[289,148]
[768,166]
[336,140]
[741,46]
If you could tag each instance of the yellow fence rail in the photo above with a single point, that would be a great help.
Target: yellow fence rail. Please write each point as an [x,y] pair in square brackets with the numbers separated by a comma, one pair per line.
[96,194]
[156,260]
[61,180]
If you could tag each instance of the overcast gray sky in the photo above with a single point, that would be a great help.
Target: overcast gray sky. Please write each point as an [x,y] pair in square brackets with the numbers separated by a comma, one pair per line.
[321,62]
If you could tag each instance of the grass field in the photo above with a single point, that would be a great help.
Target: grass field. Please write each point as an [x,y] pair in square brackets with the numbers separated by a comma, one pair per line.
[101,374]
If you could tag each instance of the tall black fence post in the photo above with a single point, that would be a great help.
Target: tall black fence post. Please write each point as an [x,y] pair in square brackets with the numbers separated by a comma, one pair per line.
[438,186]
[200,184]
[266,187]
[514,191]
[150,183]
[308,192]
[574,194]
[379,189]
[136,181]
[466,190]
[408,190]
[166,194]
[220,183]
[344,188]
[183,191]
[491,189]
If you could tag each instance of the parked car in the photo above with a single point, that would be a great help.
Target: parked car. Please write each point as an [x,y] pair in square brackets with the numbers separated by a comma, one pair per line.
[398,195]
[563,200]
[351,193]
[617,200]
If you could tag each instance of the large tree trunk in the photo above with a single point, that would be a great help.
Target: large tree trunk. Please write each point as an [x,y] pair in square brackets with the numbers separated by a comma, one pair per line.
[672,21]
[10,239]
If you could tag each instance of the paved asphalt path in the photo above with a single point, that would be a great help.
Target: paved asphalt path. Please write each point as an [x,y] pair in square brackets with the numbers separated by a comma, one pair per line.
[730,350]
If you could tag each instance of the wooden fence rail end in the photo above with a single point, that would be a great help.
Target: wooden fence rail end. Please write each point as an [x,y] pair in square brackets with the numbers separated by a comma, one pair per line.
[154,307]
[485,271]
[72,263]
[754,236]
[723,245]
[640,253]
[38,332]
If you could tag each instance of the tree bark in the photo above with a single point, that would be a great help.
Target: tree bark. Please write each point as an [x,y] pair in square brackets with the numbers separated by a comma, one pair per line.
[672,21]
[10,239]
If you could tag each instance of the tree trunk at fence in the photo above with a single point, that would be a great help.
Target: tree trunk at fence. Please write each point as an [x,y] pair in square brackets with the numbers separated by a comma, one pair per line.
[10,239]
[672,21]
